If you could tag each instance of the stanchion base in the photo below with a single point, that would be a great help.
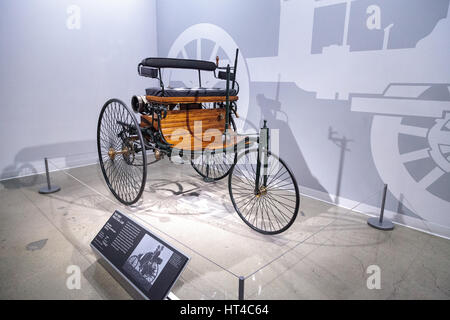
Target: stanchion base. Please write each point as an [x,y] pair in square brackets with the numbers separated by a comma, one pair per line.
[46,190]
[384,225]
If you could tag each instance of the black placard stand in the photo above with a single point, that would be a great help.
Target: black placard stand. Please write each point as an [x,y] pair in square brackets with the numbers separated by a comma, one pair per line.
[380,223]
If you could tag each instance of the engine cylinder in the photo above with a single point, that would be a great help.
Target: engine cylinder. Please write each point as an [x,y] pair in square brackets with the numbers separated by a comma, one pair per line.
[138,103]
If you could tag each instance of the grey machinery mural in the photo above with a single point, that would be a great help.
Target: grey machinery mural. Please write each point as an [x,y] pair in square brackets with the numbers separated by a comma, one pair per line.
[359,91]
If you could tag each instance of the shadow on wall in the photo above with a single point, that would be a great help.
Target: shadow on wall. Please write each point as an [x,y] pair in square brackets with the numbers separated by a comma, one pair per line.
[342,143]
[29,162]
[270,109]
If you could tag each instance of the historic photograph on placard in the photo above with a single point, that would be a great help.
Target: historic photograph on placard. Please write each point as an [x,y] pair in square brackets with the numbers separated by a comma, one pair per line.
[147,261]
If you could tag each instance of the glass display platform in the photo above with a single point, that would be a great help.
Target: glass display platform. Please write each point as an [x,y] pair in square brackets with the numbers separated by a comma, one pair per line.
[198,218]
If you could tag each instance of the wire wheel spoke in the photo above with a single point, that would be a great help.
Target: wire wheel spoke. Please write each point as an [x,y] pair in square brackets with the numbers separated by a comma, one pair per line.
[273,206]
[121,152]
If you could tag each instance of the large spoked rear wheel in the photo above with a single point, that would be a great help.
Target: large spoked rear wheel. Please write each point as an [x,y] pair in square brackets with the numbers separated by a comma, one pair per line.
[121,152]
[214,165]
[274,206]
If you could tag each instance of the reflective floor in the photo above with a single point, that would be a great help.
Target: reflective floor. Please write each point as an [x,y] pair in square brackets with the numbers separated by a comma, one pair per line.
[328,253]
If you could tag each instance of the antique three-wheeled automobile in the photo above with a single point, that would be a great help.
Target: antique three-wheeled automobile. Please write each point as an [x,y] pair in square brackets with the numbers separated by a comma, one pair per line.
[197,123]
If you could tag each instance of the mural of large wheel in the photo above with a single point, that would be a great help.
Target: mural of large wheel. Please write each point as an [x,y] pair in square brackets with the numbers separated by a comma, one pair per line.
[205,41]
[417,169]
[414,177]
[273,208]
[121,152]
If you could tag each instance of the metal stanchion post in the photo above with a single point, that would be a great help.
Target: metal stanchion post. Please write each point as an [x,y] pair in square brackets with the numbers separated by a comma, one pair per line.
[380,223]
[48,189]
[241,288]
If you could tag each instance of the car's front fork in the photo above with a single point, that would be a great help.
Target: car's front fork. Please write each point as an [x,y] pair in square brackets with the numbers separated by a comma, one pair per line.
[262,160]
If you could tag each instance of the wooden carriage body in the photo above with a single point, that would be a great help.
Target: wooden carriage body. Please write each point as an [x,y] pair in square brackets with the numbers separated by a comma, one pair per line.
[192,127]
[185,123]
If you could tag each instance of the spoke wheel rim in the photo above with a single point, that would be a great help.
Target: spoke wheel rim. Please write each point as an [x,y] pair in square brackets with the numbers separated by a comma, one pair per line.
[215,165]
[273,209]
[123,164]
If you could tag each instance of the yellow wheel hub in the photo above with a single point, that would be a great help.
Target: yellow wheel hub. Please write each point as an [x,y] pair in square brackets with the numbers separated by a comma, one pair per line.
[112,153]
[262,192]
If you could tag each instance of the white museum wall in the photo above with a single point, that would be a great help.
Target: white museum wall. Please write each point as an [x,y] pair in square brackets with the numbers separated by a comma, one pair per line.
[60,61]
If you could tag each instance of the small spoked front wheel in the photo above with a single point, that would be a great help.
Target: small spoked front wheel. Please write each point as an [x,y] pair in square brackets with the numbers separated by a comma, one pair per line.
[271,206]
[121,152]
[150,271]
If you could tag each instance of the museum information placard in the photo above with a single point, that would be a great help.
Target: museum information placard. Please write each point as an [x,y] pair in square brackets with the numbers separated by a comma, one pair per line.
[151,265]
